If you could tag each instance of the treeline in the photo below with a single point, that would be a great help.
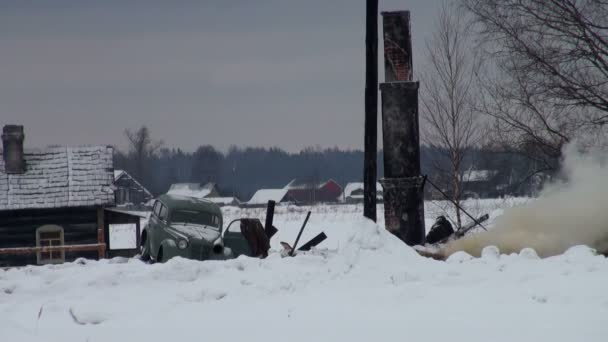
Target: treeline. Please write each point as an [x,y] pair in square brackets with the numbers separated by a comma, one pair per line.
[242,171]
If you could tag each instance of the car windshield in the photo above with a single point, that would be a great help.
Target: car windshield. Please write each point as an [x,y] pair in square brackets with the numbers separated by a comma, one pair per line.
[195,217]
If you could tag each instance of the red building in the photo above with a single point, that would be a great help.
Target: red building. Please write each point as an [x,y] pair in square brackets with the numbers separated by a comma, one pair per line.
[305,192]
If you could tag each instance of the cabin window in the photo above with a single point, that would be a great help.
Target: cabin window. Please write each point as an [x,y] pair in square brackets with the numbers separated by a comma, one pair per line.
[50,236]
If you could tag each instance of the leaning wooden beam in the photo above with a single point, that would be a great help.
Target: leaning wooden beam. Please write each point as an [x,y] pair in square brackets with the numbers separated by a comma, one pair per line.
[46,249]
[313,242]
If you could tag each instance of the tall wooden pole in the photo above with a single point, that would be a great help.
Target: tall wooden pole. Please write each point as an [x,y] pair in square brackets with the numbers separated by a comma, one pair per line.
[371,110]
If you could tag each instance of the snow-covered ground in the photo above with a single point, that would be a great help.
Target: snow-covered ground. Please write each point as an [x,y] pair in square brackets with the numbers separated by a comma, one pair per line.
[362,284]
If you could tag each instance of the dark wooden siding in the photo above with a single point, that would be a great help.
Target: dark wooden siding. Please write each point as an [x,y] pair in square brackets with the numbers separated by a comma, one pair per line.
[18,229]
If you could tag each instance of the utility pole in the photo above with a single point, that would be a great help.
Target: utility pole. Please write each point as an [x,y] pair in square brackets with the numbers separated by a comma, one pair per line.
[371,110]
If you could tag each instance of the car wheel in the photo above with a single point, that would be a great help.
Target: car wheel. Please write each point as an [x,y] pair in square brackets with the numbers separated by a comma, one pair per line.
[145,248]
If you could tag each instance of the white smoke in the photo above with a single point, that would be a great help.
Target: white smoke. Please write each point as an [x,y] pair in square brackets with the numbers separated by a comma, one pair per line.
[570,212]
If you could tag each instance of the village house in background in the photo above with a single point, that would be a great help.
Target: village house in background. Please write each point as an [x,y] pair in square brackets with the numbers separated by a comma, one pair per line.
[207,192]
[299,193]
[353,193]
[476,183]
[54,202]
[306,192]
[261,197]
[479,184]
[128,191]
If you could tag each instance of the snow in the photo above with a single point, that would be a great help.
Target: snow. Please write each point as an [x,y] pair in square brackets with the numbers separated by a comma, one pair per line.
[189,190]
[264,195]
[223,200]
[117,174]
[352,187]
[362,284]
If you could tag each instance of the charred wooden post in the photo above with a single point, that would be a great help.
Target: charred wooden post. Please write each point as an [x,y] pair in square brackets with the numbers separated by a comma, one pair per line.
[371,110]
[268,227]
[402,182]
[101,234]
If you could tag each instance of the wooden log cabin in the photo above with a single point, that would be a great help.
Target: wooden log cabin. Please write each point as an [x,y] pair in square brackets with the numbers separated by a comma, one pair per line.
[53,202]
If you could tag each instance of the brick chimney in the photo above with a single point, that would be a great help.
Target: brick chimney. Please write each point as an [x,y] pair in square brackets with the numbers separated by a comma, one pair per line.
[12,149]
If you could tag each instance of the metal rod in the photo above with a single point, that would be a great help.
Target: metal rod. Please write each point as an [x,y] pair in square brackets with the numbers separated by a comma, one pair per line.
[456,205]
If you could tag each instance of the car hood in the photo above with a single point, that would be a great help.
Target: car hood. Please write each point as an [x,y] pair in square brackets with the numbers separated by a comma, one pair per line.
[193,231]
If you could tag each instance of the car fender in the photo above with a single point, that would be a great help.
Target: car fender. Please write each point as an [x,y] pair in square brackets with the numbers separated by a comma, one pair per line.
[171,250]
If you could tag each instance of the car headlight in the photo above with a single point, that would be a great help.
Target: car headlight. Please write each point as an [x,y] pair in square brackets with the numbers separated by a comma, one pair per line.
[182,244]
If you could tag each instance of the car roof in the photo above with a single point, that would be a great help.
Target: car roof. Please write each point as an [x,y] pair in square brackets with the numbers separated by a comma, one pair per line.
[174,202]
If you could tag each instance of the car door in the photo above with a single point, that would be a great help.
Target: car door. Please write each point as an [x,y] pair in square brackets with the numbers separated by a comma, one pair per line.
[153,228]
[161,227]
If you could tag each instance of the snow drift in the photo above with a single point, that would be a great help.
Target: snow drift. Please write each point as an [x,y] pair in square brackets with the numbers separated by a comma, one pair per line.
[367,286]
[568,213]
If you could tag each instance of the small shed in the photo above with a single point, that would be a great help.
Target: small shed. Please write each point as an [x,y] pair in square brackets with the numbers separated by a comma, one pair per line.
[128,191]
[353,193]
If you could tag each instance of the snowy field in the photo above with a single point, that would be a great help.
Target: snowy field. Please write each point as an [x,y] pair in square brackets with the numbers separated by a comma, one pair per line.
[361,284]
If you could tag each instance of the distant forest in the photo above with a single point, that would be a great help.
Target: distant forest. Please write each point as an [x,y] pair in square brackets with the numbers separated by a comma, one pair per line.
[242,171]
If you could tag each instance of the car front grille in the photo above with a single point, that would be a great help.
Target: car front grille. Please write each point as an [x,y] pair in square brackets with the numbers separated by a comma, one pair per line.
[199,251]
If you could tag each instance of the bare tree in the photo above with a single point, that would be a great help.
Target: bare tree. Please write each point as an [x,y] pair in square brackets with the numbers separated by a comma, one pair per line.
[546,74]
[141,148]
[450,121]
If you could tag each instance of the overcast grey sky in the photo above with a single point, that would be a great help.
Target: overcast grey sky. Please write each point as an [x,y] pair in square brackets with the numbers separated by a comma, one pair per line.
[287,73]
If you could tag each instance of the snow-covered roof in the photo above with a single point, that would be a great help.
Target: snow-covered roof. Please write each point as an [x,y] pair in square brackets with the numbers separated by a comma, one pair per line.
[142,214]
[191,189]
[302,184]
[223,200]
[351,187]
[264,195]
[478,175]
[58,177]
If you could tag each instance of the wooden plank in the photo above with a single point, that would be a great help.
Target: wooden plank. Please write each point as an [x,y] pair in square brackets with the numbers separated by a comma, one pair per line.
[44,249]
[313,242]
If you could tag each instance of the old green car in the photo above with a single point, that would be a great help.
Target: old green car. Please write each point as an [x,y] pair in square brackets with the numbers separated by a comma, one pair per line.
[189,228]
